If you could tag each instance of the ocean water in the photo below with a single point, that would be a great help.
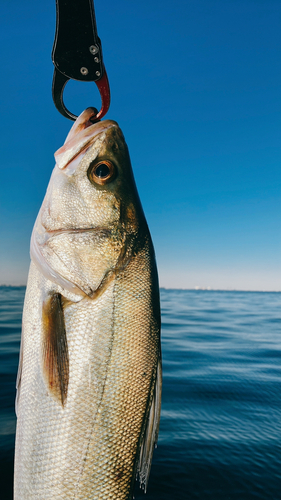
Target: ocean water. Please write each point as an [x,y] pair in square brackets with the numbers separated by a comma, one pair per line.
[220,432]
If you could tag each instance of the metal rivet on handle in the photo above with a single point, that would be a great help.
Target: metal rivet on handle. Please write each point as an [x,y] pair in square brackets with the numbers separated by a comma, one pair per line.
[97,73]
[84,71]
[93,49]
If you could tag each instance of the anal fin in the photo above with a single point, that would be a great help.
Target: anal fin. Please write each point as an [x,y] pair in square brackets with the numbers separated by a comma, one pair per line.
[55,358]
[151,432]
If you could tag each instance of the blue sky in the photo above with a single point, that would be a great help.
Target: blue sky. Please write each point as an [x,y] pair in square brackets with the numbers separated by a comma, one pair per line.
[196,90]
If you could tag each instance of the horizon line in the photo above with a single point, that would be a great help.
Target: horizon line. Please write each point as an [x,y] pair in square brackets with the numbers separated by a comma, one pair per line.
[194,289]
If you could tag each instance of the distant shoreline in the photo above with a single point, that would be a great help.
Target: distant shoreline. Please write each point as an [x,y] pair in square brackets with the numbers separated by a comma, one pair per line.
[199,289]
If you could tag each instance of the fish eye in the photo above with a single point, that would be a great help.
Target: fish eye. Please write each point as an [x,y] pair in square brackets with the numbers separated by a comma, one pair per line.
[101,173]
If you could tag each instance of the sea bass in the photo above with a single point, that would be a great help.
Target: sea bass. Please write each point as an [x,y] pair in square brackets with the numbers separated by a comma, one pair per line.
[89,380]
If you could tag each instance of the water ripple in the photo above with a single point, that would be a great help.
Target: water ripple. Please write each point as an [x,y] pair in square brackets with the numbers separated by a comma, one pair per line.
[220,432]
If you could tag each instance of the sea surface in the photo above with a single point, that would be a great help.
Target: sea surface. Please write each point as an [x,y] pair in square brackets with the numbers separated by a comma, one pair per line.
[220,432]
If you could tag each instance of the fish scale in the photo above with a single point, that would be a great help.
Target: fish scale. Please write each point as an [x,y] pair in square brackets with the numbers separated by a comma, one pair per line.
[89,383]
[125,407]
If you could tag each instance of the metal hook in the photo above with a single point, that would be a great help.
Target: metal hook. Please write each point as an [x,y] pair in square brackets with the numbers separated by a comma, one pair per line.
[59,82]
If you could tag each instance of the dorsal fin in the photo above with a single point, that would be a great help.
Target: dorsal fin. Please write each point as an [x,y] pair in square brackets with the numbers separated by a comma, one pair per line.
[55,350]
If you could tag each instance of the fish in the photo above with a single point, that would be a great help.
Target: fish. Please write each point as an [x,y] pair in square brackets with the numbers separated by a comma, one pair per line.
[90,376]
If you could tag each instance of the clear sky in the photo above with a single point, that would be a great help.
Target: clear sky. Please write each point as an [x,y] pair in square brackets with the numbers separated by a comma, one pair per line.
[196,90]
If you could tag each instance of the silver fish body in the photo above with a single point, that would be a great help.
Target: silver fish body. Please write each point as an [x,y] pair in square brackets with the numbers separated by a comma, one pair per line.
[89,381]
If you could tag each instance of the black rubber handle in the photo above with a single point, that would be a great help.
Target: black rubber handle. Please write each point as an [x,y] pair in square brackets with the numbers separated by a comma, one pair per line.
[77,52]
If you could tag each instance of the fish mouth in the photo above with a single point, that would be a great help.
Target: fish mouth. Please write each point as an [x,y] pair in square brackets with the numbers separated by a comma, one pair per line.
[82,134]
[74,230]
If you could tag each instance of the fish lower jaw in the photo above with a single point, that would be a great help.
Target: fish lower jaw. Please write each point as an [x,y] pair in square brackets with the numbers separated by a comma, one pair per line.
[56,232]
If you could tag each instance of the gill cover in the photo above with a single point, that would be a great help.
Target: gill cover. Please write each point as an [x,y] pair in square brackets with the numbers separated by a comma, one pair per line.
[80,237]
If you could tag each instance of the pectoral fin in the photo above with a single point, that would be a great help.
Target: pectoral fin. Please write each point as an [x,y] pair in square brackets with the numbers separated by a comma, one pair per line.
[55,350]
[151,432]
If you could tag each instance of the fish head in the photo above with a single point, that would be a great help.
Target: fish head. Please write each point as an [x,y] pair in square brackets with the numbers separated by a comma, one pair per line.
[92,177]
[91,207]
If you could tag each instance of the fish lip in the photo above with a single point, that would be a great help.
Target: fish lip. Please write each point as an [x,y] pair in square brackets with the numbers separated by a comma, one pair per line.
[81,141]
